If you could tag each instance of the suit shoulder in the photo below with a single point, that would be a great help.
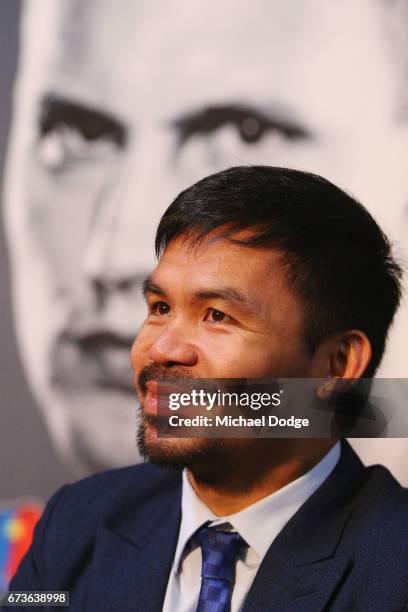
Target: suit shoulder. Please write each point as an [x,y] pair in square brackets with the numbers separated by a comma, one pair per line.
[375,540]
[108,487]
[387,490]
[77,510]
[382,508]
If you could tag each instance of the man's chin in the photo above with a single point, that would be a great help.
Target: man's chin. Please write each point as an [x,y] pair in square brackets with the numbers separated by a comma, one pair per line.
[95,429]
[202,456]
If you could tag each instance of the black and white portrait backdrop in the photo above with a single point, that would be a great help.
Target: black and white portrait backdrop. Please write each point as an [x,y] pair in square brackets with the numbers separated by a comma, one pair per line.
[108,110]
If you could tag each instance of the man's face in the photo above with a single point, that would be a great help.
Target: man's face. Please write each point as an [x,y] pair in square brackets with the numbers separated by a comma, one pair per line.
[219,311]
[118,107]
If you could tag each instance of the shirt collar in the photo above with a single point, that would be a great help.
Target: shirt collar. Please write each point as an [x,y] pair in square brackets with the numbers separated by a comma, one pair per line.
[194,513]
[272,512]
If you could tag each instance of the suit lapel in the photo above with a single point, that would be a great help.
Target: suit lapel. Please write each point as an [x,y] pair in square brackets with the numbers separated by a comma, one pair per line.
[281,586]
[132,560]
[301,570]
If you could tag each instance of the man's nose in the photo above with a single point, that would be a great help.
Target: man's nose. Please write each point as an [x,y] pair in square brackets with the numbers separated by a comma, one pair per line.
[120,246]
[174,347]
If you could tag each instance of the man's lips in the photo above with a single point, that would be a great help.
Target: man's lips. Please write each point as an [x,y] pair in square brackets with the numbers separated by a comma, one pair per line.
[150,405]
[157,397]
[93,360]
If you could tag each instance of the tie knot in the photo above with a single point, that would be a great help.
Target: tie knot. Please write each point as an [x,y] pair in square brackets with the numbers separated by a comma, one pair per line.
[219,551]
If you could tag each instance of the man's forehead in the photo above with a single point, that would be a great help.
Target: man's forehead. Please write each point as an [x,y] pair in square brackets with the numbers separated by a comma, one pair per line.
[216,254]
[104,45]
[125,25]
[129,36]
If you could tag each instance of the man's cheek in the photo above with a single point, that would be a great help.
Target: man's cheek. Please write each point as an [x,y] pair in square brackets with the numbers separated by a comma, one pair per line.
[222,358]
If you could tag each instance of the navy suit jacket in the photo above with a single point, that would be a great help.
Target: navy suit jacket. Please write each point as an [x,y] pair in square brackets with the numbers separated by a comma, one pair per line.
[110,541]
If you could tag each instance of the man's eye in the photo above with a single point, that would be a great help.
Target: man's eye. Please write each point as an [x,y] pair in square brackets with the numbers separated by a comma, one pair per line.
[70,133]
[217,316]
[160,308]
[251,125]
[251,129]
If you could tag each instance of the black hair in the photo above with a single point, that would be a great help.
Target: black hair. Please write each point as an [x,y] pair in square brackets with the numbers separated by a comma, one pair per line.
[339,262]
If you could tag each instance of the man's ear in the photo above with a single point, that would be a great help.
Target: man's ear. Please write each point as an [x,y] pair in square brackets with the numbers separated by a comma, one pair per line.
[351,356]
[346,355]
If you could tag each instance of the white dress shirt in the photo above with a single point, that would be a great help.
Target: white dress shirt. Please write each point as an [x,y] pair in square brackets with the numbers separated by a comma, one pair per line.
[258,525]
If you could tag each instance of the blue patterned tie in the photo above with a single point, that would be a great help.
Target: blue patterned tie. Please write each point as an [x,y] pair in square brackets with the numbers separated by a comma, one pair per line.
[219,551]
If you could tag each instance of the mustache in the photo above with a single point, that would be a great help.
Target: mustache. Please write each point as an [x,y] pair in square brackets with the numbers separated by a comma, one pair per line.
[159,372]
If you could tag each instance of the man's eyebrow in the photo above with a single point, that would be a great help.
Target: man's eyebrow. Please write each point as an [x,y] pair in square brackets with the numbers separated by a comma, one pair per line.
[226,294]
[209,118]
[150,286]
[92,122]
[229,295]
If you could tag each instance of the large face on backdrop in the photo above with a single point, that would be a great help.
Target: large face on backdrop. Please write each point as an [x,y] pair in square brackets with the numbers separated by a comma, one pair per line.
[119,105]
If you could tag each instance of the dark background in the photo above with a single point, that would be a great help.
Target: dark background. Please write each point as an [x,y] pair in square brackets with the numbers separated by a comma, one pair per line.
[28,464]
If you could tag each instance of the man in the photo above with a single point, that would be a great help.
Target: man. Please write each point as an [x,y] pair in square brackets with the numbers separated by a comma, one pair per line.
[264,272]
[115,109]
